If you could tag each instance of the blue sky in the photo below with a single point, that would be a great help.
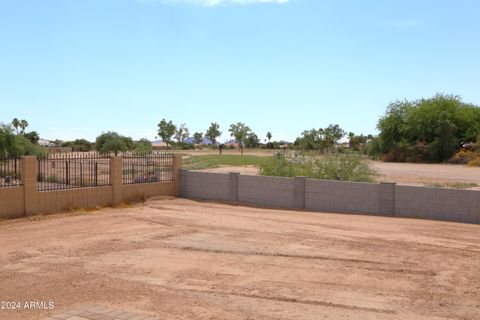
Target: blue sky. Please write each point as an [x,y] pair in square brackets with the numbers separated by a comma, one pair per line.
[75,68]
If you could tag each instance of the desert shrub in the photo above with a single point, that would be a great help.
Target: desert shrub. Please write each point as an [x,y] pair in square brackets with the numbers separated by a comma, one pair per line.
[183,146]
[280,167]
[341,167]
[475,162]
[463,157]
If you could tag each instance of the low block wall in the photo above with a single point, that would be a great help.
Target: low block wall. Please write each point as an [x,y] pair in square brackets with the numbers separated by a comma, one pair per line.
[25,200]
[59,200]
[11,202]
[386,199]
[266,191]
[438,204]
[338,196]
[203,185]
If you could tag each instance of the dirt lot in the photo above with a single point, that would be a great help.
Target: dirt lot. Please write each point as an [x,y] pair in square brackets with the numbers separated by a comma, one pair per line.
[180,259]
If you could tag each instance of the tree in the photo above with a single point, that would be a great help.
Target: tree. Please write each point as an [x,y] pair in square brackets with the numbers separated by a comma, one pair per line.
[16,145]
[269,136]
[213,132]
[358,143]
[239,131]
[252,140]
[16,124]
[79,145]
[23,125]
[110,142]
[143,146]
[7,142]
[332,134]
[166,130]
[198,137]
[181,133]
[33,136]
[427,129]
[321,139]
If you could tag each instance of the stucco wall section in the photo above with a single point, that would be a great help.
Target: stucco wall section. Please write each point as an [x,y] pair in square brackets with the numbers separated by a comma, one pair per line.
[12,203]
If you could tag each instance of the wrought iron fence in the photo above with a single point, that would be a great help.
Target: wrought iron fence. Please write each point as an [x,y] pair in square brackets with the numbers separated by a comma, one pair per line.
[154,167]
[70,171]
[10,172]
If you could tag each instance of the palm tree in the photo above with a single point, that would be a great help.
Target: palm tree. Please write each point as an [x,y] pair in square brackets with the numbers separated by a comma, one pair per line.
[269,136]
[23,125]
[16,124]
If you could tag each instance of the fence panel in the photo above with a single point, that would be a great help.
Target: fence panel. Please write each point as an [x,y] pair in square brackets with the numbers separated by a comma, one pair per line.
[10,172]
[67,171]
[148,168]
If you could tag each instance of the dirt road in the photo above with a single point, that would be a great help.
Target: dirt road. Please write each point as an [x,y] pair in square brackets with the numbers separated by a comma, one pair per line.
[180,259]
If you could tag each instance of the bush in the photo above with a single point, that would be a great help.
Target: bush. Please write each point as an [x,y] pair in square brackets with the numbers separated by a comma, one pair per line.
[183,146]
[342,168]
[463,157]
[475,162]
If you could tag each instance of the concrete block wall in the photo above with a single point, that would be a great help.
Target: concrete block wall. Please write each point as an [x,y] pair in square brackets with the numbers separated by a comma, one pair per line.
[386,199]
[204,185]
[274,192]
[340,196]
[437,204]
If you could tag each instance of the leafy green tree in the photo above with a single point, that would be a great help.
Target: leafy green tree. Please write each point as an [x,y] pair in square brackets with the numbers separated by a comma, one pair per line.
[240,132]
[166,130]
[33,136]
[143,146]
[332,134]
[7,142]
[321,139]
[79,145]
[252,140]
[198,137]
[358,142]
[427,129]
[213,132]
[181,133]
[111,142]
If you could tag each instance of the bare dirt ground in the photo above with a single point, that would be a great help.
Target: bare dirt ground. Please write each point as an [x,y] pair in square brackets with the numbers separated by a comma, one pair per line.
[181,259]
[415,173]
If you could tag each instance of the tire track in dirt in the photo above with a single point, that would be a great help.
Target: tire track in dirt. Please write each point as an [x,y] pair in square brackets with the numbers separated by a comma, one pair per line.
[308,257]
[283,299]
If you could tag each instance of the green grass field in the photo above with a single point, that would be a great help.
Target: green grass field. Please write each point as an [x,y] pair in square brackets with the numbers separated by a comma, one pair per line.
[215,161]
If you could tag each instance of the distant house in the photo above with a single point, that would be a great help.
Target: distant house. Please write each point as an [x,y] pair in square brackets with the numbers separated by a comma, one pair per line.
[46,144]
[159,145]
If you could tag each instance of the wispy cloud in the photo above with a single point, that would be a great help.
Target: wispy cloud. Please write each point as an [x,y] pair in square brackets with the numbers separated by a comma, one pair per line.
[212,3]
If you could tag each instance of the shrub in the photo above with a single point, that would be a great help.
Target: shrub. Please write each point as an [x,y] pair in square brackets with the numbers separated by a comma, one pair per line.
[341,167]
[475,162]
[463,157]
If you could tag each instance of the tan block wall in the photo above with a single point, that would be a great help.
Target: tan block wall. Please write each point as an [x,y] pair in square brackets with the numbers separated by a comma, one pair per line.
[61,200]
[138,192]
[12,203]
[26,200]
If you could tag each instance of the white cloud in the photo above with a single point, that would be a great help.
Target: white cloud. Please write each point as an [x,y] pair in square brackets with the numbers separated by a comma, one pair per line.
[212,3]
